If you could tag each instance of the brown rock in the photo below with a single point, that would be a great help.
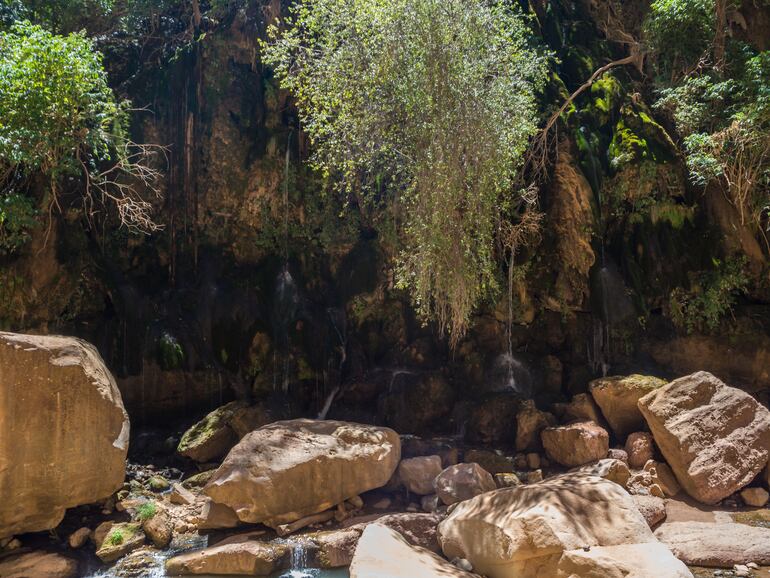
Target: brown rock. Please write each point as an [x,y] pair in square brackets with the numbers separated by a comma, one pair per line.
[417,474]
[663,477]
[576,444]
[507,480]
[608,469]
[715,438]
[754,497]
[492,461]
[530,421]
[63,430]
[628,560]
[716,545]
[180,495]
[119,541]
[645,483]
[101,532]
[38,565]
[335,548]
[418,529]
[244,558]
[616,454]
[541,530]
[581,408]
[215,515]
[212,437]
[158,528]
[78,538]
[463,481]
[640,448]
[303,467]
[652,508]
[617,397]
[384,553]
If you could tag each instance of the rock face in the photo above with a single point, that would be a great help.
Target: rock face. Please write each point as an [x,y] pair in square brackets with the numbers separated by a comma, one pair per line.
[463,481]
[715,438]
[244,558]
[383,553]
[38,565]
[576,444]
[716,545]
[617,397]
[542,530]
[213,436]
[63,430]
[291,469]
[417,474]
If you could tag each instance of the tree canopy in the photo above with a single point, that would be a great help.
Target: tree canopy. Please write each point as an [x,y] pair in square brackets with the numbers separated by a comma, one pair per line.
[426,106]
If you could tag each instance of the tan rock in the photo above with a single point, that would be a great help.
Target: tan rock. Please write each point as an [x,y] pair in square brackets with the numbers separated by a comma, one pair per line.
[755,497]
[119,541]
[63,430]
[582,407]
[417,528]
[652,508]
[214,516]
[608,469]
[180,495]
[38,565]
[78,538]
[664,477]
[715,438]
[100,532]
[530,421]
[463,481]
[245,558]
[618,454]
[335,548]
[640,449]
[288,470]
[507,480]
[158,528]
[533,461]
[417,474]
[534,476]
[651,560]
[716,545]
[645,483]
[212,437]
[536,531]
[617,397]
[383,553]
[576,444]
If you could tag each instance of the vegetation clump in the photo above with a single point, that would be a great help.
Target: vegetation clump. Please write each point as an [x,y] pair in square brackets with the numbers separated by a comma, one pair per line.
[423,109]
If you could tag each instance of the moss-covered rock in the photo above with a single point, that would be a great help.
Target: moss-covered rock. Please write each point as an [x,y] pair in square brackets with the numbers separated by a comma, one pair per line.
[120,540]
[617,397]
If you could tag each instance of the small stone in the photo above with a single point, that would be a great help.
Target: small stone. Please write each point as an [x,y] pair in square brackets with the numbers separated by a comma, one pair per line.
[356,502]
[430,503]
[755,497]
[412,507]
[158,484]
[507,480]
[382,504]
[618,454]
[533,461]
[640,448]
[462,564]
[520,461]
[534,476]
[741,570]
[79,537]
[753,565]
[14,544]
[180,495]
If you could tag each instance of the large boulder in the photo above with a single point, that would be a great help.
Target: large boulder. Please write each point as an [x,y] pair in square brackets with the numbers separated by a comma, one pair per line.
[553,527]
[63,430]
[463,481]
[716,545]
[617,397]
[576,444]
[715,438]
[285,471]
[417,474]
[38,564]
[250,558]
[383,553]
[213,436]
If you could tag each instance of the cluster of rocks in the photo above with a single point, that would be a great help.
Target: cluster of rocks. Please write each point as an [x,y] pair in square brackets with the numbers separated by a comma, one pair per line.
[566,504]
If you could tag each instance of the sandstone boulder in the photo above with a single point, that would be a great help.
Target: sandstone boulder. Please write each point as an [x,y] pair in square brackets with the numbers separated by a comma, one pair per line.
[38,565]
[213,436]
[285,471]
[755,497]
[417,474]
[553,529]
[640,448]
[663,477]
[716,545]
[530,421]
[617,397]
[652,508]
[250,558]
[608,469]
[383,553]
[576,444]
[463,481]
[715,438]
[63,430]
[120,540]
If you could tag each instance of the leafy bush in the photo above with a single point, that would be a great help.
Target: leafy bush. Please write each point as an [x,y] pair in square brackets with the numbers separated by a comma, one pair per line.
[424,108]
[711,295]
[17,218]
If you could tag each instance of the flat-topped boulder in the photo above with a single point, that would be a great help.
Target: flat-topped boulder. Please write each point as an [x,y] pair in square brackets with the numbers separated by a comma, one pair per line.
[285,471]
[617,397]
[248,558]
[553,528]
[716,545]
[716,438]
[576,444]
[63,430]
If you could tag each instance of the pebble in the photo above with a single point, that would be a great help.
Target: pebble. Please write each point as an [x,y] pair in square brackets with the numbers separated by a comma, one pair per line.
[741,570]
[753,565]
[382,504]
[462,564]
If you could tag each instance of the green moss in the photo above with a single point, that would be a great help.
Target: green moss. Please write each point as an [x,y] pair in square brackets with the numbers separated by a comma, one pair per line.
[606,96]
[170,352]
[208,426]
[147,511]
[759,518]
